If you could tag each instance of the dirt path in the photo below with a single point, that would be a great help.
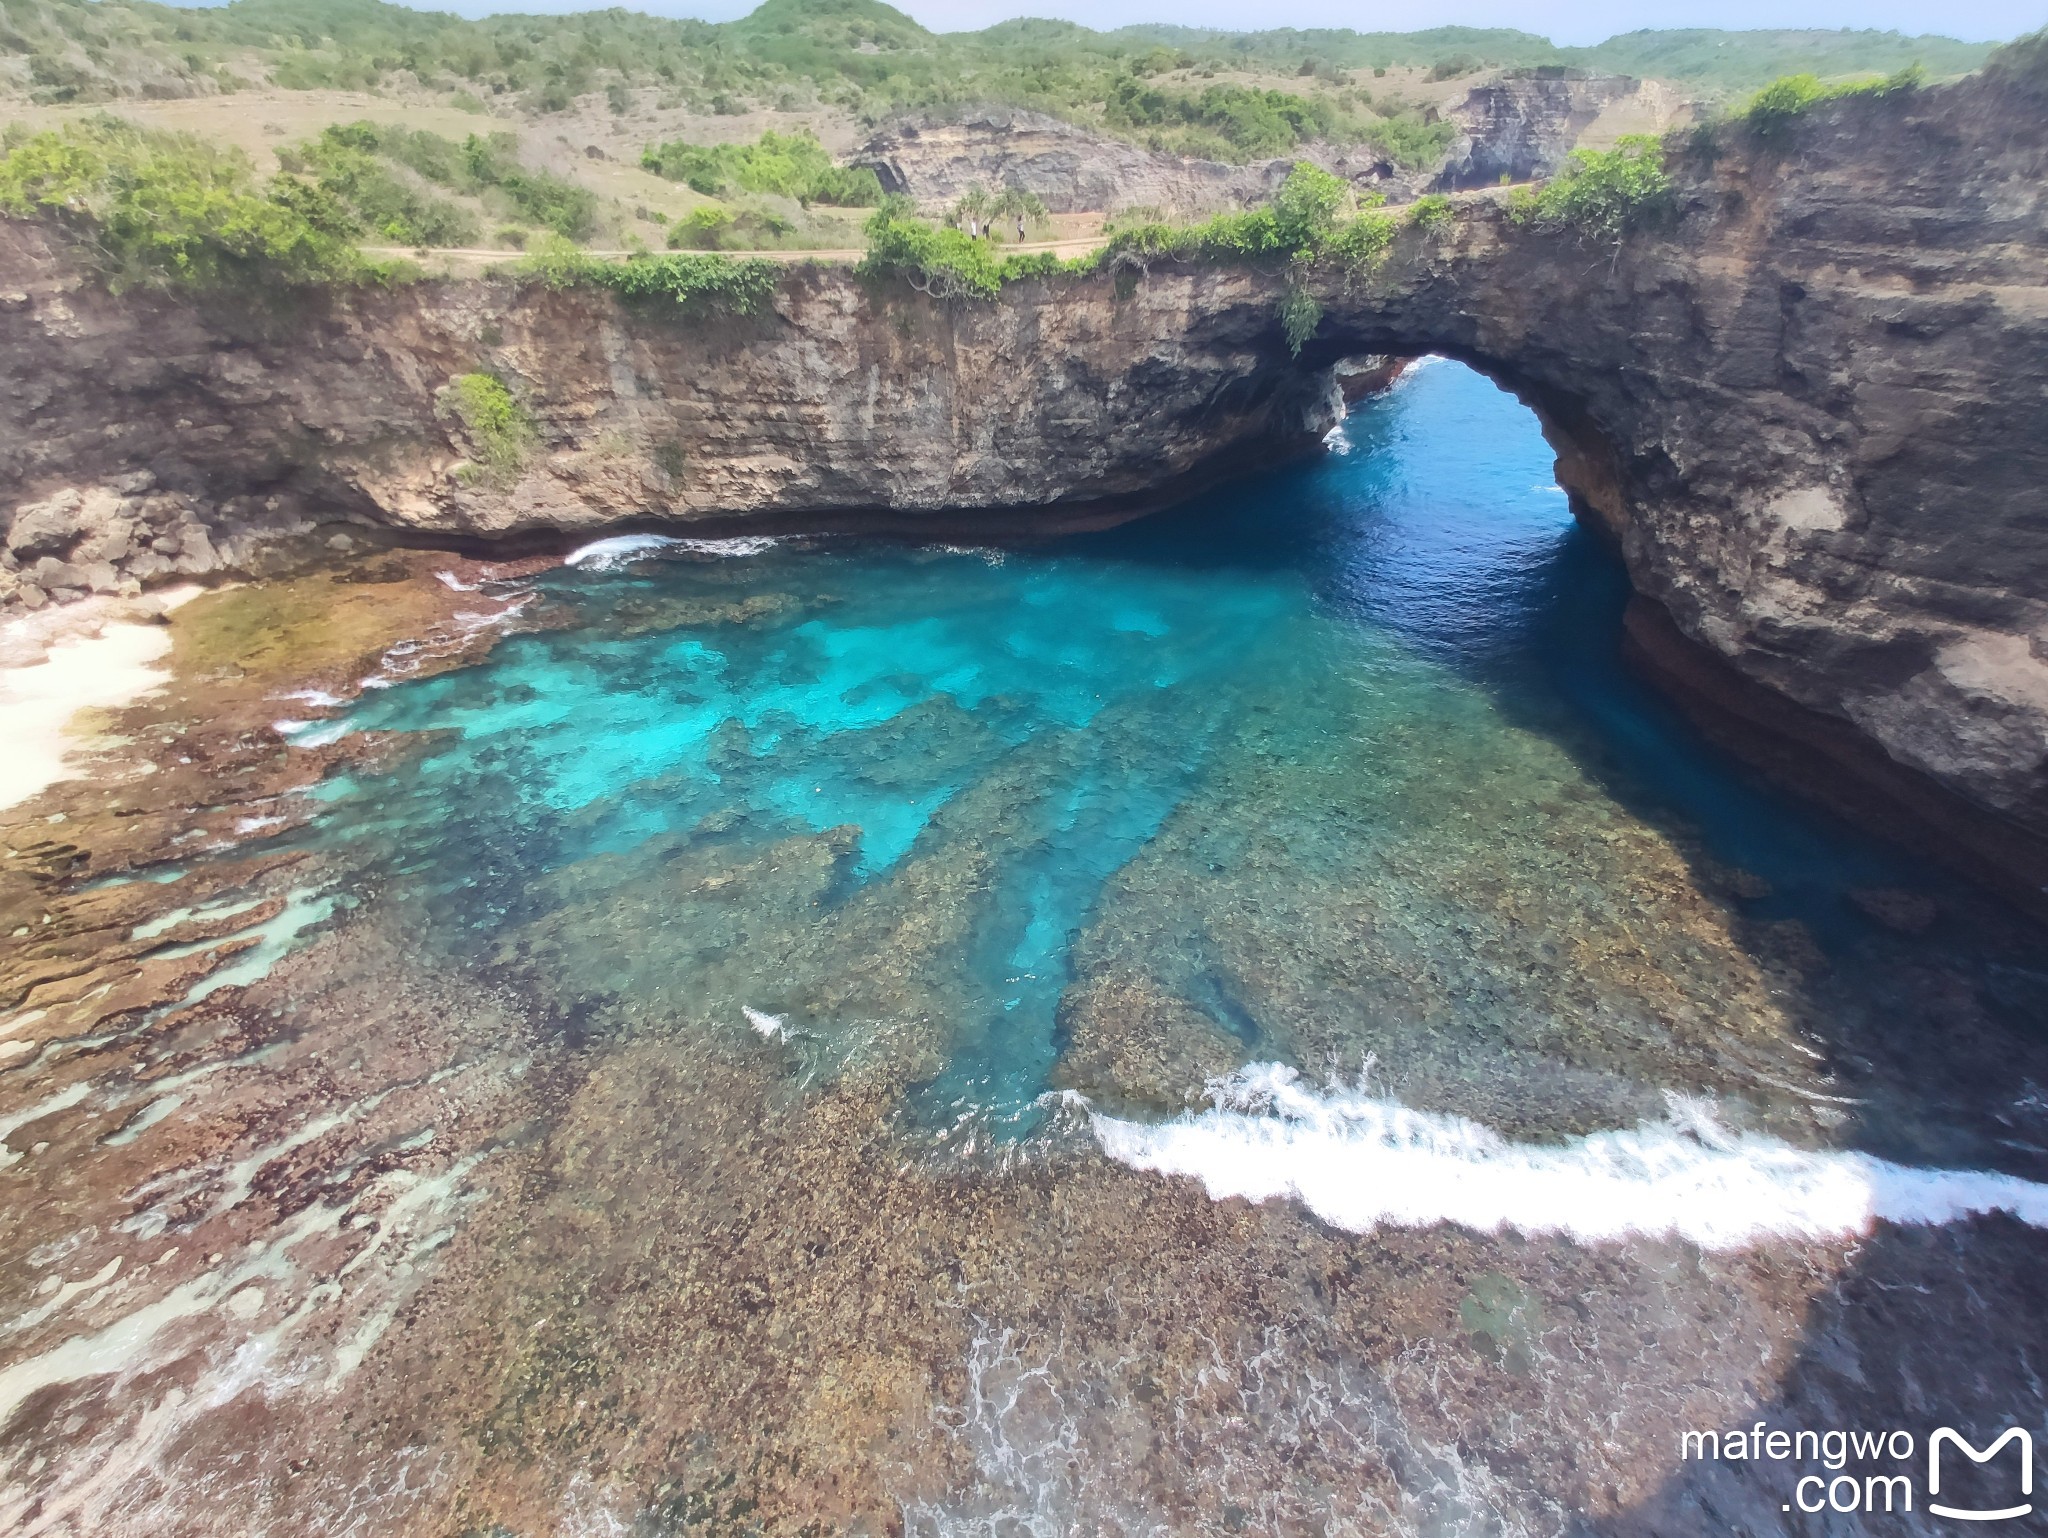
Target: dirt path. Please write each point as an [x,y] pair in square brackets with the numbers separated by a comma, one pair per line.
[469,257]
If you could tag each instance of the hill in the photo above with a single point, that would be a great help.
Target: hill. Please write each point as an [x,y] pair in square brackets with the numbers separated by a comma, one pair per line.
[855,55]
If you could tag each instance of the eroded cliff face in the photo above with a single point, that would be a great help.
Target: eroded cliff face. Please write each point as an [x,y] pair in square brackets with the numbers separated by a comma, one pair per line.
[1813,411]
[844,403]
[1525,124]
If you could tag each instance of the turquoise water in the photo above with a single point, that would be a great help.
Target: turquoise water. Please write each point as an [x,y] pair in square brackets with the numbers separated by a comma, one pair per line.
[775,1045]
[1341,762]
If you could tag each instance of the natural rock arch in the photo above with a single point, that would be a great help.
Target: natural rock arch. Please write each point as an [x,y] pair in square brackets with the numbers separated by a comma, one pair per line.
[1813,413]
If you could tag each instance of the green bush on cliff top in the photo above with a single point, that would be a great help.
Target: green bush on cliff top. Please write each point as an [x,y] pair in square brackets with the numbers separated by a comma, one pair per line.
[1305,223]
[945,262]
[1771,113]
[170,210]
[1600,194]
[701,282]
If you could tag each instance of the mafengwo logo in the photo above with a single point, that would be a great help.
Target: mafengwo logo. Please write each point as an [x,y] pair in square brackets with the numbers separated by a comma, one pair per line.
[1873,1471]
[1947,1438]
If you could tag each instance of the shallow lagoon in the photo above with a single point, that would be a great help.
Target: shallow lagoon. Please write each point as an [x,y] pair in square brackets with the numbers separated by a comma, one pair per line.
[765,1014]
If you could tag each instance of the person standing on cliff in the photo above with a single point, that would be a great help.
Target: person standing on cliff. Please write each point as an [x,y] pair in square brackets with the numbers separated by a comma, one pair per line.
[1020,229]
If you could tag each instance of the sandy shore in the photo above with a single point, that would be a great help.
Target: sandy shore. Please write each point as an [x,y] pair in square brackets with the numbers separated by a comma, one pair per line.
[102,653]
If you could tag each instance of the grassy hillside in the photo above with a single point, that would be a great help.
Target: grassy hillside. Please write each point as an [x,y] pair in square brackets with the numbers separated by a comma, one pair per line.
[858,55]
[616,129]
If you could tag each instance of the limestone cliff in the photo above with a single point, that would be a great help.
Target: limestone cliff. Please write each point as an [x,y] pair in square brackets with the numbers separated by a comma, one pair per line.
[1519,126]
[1813,411]
[1525,124]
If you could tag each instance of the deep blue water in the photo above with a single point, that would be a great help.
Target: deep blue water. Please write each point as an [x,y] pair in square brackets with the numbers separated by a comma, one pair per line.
[1339,762]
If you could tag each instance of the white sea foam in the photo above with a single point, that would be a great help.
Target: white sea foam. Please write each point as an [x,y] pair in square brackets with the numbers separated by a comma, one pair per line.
[1360,1162]
[621,550]
[454,583]
[770,1026]
[734,545]
[316,697]
[617,551]
[312,734]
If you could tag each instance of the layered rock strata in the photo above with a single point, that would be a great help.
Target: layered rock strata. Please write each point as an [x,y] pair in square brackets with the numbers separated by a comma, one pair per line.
[1525,124]
[1812,409]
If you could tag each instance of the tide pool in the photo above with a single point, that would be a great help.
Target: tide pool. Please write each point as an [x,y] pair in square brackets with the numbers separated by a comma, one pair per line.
[1336,769]
[1247,1022]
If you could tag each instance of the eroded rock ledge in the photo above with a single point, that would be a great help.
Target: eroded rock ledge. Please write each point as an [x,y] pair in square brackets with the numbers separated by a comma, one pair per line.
[1814,413]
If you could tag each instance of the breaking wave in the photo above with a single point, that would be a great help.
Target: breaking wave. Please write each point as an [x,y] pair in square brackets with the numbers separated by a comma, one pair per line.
[1360,1162]
[621,550]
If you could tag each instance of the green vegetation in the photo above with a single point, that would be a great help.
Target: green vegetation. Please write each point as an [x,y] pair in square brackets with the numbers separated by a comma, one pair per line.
[378,199]
[699,283]
[1771,113]
[1224,122]
[712,228]
[789,165]
[1432,214]
[860,55]
[999,208]
[169,210]
[1300,313]
[1707,59]
[1600,194]
[945,262]
[1313,222]
[376,172]
[1305,224]
[489,166]
[499,427]
[1237,123]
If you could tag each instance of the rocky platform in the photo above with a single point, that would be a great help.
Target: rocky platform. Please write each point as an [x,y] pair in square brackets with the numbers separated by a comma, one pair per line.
[1812,410]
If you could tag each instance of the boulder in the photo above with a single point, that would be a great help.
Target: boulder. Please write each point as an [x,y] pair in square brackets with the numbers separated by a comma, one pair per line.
[50,527]
[51,573]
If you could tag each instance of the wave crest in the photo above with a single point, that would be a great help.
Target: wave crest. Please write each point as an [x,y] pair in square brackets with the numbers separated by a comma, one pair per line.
[1360,1162]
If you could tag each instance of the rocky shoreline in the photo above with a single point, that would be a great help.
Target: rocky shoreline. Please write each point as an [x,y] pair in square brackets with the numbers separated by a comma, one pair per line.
[1812,411]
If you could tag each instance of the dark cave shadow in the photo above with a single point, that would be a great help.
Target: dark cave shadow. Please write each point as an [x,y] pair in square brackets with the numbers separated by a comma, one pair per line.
[1965,1004]
[1926,1327]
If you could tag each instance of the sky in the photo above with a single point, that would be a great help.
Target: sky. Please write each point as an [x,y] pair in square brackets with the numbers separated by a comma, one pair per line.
[1563,21]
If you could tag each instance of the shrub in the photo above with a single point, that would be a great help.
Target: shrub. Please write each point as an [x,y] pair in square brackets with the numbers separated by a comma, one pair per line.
[693,281]
[1229,122]
[1361,243]
[171,210]
[1300,314]
[1011,203]
[499,428]
[933,259]
[1601,194]
[789,165]
[1770,113]
[539,196]
[947,263]
[378,202]
[357,158]
[700,229]
[1433,215]
[1307,204]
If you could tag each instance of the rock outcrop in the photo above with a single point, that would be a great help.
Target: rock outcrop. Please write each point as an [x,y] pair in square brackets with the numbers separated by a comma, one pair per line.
[1523,125]
[126,532]
[1812,410]
[934,158]
[1520,126]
